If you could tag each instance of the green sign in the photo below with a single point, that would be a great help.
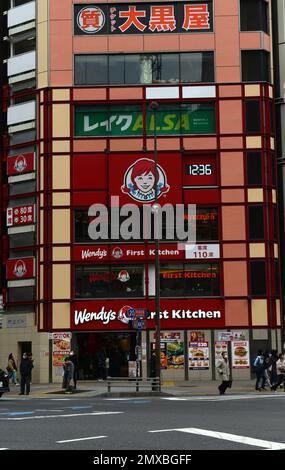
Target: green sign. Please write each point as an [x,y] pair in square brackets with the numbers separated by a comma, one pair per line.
[128,121]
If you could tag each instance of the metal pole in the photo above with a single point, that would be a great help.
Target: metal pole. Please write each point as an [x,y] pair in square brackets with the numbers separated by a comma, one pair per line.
[154,107]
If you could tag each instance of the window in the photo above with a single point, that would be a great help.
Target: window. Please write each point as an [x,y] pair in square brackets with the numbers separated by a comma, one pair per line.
[254,15]
[21,294]
[189,280]
[207,227]
[255,66]
[256,222]
[93,281]
[252,116]
[254,168]
[22,188]
[193,67]
[257,278]
[18,240]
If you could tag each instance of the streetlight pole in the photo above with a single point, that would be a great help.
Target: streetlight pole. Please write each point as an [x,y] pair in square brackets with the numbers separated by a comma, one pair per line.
[154,108]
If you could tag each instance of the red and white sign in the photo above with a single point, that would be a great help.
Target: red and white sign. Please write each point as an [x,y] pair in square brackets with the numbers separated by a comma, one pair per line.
[202,251]
[174,314]
[132,178]
[21,215]
[106,253]
[20,164]
[91,19]
[20,268]
[240,354]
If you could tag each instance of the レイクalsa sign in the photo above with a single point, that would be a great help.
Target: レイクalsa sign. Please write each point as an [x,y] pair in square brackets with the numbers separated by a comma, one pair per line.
[174,314]
[143,18]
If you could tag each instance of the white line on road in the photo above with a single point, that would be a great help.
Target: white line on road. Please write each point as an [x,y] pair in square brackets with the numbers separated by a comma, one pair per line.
[229,437]
[223,398]
[81,439]
[96,413]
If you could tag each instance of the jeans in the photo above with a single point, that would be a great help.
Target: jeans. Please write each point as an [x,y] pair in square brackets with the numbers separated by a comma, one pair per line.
[12,375]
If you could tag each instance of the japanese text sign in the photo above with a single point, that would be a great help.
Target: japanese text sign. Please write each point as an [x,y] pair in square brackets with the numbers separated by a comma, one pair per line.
[21,215]
[143,18]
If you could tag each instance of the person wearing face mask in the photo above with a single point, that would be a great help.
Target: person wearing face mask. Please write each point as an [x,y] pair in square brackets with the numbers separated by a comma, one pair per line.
[223,369]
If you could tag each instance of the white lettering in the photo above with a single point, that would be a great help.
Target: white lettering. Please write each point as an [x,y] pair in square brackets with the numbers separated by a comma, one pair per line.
[93,254]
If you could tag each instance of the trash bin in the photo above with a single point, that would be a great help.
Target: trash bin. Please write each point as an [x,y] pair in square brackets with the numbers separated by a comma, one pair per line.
[4,382]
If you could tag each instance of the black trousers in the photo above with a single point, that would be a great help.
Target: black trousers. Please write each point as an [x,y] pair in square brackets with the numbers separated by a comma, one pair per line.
[223,387]
[25,384]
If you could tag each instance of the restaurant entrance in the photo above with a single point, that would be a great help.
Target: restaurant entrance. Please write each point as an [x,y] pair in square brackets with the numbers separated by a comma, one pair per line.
[94,348]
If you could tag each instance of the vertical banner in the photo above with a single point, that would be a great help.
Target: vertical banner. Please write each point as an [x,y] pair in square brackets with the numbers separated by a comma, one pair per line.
[240,354]
[61,345]
[199,356]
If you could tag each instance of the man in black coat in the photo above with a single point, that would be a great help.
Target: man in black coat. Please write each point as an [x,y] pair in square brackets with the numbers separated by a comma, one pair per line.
[26,367]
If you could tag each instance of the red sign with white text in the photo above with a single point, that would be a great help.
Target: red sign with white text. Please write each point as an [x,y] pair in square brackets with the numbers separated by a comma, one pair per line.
[21,215]
[20,268]
[20,164]
[174,314]
[140,252]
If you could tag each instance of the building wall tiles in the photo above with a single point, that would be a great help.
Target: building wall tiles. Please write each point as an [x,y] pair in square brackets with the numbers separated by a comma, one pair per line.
[231,117]
[233,223]
[235,278]
[236,312]
[232,169]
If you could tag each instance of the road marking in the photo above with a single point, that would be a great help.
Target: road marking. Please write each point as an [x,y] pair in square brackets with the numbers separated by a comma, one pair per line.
[95,413]
[81,439]
[223,398]
[229,437]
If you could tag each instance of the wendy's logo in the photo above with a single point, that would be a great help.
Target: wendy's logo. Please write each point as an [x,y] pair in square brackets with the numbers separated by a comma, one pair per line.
[20,269]
[139,181]
[20,164]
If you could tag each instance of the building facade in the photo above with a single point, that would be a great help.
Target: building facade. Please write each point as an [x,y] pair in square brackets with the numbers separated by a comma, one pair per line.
[82,78]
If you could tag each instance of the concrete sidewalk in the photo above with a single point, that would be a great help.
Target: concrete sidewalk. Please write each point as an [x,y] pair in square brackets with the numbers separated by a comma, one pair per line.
[99,388]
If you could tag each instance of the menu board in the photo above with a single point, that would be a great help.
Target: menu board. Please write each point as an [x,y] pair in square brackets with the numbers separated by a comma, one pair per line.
[60,348]
[175,355]
[199,356]
[240,354]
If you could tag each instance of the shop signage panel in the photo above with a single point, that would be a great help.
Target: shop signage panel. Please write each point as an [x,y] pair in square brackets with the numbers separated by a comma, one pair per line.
[143,18]
[199,356]
[21,215]
[106,253]
[174,314]
[202,251]
[240,354]
[132,178]
[123,121]
[200,171]
[61,346]
[20,164]
[20,268]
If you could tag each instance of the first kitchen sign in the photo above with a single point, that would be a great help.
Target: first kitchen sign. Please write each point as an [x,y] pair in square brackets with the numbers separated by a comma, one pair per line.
[143,18]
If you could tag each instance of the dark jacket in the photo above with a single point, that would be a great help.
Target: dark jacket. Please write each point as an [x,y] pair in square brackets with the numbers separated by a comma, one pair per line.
[26,367]
[152,366]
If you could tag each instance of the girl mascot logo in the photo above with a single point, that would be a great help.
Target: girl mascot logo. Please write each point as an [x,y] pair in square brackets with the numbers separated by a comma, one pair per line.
[139,181]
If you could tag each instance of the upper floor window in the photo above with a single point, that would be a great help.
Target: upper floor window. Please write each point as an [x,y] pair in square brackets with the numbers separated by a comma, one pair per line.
[132,69]
[254,15]
[255,66]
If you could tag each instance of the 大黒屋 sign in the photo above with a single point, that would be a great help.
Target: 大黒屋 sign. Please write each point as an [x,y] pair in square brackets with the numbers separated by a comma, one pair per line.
[143,18]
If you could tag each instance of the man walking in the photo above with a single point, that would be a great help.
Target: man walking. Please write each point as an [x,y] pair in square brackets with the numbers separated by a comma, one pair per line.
[259,371]
[223,369]
[26,367]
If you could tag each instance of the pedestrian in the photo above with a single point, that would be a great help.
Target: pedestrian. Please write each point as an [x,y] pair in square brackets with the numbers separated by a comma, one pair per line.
[223,369]
[68,372]
[267,370]
[101,365]
[259,369]
[152,369]
[12,369]
[280,367]
[274,377]
[26,367]
[74,359]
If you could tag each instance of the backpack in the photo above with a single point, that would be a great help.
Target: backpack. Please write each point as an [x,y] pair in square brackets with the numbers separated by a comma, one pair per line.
[257,364]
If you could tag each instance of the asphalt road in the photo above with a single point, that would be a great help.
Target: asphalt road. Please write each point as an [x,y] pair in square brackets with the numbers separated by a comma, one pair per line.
[244,422]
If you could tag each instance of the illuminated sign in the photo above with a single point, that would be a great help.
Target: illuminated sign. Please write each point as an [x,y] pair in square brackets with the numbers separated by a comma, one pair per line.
[143,18]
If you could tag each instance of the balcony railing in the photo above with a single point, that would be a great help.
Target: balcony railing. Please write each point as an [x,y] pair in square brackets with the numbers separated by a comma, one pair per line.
[21,63]
[22,14]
